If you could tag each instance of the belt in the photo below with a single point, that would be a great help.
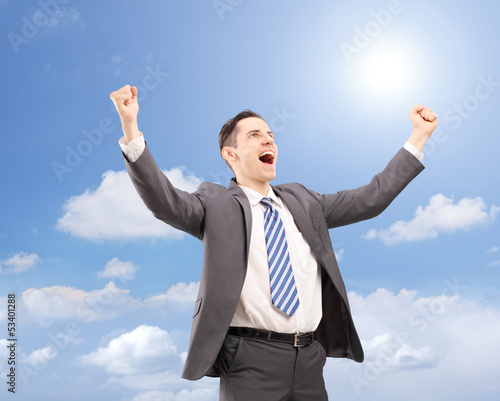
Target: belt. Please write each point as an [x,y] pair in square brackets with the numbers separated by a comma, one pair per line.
[297,340]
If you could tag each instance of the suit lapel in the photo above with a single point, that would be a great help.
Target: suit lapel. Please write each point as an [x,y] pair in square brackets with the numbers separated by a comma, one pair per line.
[302,221]
[299,215]
[240,196]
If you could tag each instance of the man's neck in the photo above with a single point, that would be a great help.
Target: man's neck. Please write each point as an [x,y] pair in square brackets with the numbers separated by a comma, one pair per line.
[262,188]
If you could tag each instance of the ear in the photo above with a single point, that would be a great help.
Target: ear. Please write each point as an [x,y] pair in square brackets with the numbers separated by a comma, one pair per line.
[228,154]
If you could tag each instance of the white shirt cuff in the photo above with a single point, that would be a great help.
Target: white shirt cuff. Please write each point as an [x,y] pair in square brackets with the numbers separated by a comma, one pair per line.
[414,151]
[134,149]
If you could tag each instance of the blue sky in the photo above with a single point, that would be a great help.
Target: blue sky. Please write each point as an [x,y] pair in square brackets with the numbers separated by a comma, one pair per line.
[104,293]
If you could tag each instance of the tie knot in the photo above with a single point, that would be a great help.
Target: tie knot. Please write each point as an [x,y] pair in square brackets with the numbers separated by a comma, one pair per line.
[266,202]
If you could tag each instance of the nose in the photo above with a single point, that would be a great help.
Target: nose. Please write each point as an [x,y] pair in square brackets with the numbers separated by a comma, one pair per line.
[268,139]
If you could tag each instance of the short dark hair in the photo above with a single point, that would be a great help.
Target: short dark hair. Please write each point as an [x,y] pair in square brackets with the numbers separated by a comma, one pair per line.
[226,135]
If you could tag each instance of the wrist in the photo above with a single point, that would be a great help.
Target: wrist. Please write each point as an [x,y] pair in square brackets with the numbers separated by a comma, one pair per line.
[130,130]
[418,138]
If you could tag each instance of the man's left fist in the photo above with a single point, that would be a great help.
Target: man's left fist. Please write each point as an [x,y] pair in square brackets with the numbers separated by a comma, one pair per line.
[423,119]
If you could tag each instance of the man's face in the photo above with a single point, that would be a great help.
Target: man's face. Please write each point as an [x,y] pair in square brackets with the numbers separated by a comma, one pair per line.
[255,154]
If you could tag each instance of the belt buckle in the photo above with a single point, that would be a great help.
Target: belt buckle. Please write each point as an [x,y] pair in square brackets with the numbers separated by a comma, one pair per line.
[296,340]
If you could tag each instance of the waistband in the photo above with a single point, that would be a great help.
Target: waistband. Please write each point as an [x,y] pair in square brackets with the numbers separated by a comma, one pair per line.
[297,340]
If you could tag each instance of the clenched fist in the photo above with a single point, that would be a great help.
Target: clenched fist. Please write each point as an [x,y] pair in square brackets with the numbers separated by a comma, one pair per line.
[424,122]
[125,101]
[423,118]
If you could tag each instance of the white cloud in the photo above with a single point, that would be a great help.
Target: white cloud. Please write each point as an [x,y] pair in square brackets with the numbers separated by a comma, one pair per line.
[115,268]
[40,357]
[55,17]
[390,324]
[19,263]
[441,215]
[67,303]
[206,394]
[178,293]
[146,360]
[407,339]
[4,356]
[114,211]
[494,250]
[167,379]
[339,253]
[437,353]
[385,350]
[60,303]
[116,60]
[410,340]
[3,309]
[144,350]
[382,310]
[382,301]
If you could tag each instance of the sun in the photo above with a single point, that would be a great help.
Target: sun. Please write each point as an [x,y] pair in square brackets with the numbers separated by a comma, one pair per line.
[384,70]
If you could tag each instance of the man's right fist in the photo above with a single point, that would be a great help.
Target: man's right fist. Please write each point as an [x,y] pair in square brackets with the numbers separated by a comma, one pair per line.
[125,101]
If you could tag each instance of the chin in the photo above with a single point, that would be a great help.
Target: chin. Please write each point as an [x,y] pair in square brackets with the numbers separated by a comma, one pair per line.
[271,177]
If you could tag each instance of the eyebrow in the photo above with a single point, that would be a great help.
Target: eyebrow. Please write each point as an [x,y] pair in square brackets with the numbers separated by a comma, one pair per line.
[258,130]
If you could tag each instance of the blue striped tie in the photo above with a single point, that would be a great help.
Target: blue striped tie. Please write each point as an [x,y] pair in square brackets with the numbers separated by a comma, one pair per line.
[283,290]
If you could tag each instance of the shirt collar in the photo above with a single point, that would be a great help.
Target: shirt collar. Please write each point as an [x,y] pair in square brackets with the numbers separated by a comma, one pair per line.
[254,197]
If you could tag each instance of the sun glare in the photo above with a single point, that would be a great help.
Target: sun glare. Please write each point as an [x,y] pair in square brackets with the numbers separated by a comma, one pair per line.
[386,72]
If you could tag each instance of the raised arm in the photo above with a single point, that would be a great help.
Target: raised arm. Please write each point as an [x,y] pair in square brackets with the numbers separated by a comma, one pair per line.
[424,122]
[125,101]
[180,209]
[368,201]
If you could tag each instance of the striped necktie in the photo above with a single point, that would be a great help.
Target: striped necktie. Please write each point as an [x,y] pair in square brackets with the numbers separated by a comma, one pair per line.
[283,290]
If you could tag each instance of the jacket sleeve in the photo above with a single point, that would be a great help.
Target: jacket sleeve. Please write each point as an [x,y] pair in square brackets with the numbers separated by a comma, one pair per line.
[368,201]
[180,209]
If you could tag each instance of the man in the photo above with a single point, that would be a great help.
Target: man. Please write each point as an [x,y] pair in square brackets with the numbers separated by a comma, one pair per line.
[272,304]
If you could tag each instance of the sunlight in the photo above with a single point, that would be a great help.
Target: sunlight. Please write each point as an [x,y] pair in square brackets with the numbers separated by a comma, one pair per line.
[386,71]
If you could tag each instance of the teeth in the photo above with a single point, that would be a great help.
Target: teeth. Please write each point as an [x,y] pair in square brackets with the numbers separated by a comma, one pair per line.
[267,153]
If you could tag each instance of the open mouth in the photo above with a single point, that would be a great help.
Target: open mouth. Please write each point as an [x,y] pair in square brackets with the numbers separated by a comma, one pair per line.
[267,157]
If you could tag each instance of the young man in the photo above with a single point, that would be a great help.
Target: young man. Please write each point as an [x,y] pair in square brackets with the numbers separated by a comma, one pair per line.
[272,304]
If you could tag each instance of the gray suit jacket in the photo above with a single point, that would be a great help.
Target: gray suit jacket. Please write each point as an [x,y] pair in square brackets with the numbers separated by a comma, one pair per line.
[222,219]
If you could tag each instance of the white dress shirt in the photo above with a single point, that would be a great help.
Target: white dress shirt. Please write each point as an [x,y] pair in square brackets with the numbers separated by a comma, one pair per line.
[255,308]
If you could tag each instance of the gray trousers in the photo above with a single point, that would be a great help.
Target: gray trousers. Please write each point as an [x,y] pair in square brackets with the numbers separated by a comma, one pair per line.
[255,369]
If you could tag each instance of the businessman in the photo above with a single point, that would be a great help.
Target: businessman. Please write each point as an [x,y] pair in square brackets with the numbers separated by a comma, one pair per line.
[272,304]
